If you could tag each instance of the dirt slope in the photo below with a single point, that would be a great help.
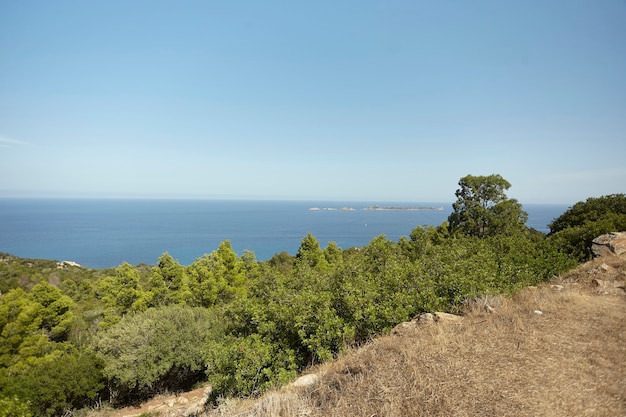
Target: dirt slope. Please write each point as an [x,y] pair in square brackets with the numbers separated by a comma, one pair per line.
[556,350]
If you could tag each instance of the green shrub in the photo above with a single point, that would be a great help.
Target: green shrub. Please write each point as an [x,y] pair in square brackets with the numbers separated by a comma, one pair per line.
[575,229]
[155,350]
[14,407]
[53,386]
[247,365]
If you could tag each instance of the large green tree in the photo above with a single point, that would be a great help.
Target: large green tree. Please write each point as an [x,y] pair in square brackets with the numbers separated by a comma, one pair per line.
[168,283]
[218,278]
[483,209]
[575,229]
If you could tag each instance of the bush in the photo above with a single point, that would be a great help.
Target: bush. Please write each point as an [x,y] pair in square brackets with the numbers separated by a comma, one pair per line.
[153,351]
[51,387]
[247,365]
[575,229]
[14,407]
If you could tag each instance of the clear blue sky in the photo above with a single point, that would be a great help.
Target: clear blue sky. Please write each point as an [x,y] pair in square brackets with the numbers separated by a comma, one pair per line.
[334,100]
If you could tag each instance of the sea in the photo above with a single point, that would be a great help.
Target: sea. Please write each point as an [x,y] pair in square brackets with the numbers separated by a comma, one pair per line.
[103,233]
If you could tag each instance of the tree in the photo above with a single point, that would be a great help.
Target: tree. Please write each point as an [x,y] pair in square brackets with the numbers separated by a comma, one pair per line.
[56,385]
[122,294]
[591,210]
[483,209]
[57,316]
[310,253]
[168,283]
[155,350]
[218,277]
[575,229]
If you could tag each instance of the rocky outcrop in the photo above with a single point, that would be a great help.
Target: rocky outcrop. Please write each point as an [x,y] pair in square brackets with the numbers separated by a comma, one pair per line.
[609,286]
[613,243]
[426,318]
[306,380]
[189,404]
[65,264]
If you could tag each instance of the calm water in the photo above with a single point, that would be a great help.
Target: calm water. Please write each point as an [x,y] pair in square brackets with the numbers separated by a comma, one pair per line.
[104,233]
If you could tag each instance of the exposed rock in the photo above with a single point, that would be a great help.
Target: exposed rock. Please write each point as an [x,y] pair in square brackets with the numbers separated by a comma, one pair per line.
[447,317]
[609,286]
[64,264]
[306,380]
[426,318]
[407,325]
[429,318]
[557,287]
[613,243]
[186,404]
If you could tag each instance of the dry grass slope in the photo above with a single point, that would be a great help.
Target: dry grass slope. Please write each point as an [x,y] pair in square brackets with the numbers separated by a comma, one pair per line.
[567,361]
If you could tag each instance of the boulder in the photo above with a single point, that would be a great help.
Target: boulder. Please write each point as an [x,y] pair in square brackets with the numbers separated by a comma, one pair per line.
[613,243]
[609,286]
[306,380]
[447,317]
[426,318]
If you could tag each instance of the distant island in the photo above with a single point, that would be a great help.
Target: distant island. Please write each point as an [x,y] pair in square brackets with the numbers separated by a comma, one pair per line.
[377,208]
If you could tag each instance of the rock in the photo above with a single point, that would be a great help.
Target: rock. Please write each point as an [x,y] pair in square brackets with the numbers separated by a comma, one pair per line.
[406,325]
[538,312]
[426,318]
[557,287]
[194,409]
[613,243]
[446,317]
[306,380]
[182,400]
[609,287]
[64,264]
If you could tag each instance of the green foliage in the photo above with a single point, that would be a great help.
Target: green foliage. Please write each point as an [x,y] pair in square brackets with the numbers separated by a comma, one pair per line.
[310,254]
[483,209]
[283,262]
[56,315]
[14,407]
[32,323]
[158,349]
[168,283]
[52,386]
[219,277]
[247,365]
[575,229]
[591,210]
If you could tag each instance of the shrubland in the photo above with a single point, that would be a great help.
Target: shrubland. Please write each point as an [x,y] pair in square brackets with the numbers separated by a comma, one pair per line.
[73,337]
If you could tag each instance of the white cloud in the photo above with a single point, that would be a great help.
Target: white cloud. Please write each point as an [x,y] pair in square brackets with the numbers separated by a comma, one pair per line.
[11,143]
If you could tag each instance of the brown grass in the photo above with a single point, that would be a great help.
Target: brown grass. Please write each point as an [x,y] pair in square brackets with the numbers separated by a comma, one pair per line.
[570,360]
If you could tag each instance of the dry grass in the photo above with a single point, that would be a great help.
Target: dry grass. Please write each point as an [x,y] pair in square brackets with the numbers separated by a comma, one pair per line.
[567,361]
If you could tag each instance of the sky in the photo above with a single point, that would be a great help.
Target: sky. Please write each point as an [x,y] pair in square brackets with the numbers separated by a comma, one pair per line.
[354,100]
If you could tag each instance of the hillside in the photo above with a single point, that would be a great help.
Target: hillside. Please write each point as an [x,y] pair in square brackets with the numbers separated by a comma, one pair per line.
[555,350]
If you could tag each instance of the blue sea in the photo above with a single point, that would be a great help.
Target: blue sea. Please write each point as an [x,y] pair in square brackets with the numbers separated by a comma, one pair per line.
[104,233]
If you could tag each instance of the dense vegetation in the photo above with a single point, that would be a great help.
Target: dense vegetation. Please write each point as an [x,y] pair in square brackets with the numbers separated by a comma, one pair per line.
[579,225]
[72,337]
